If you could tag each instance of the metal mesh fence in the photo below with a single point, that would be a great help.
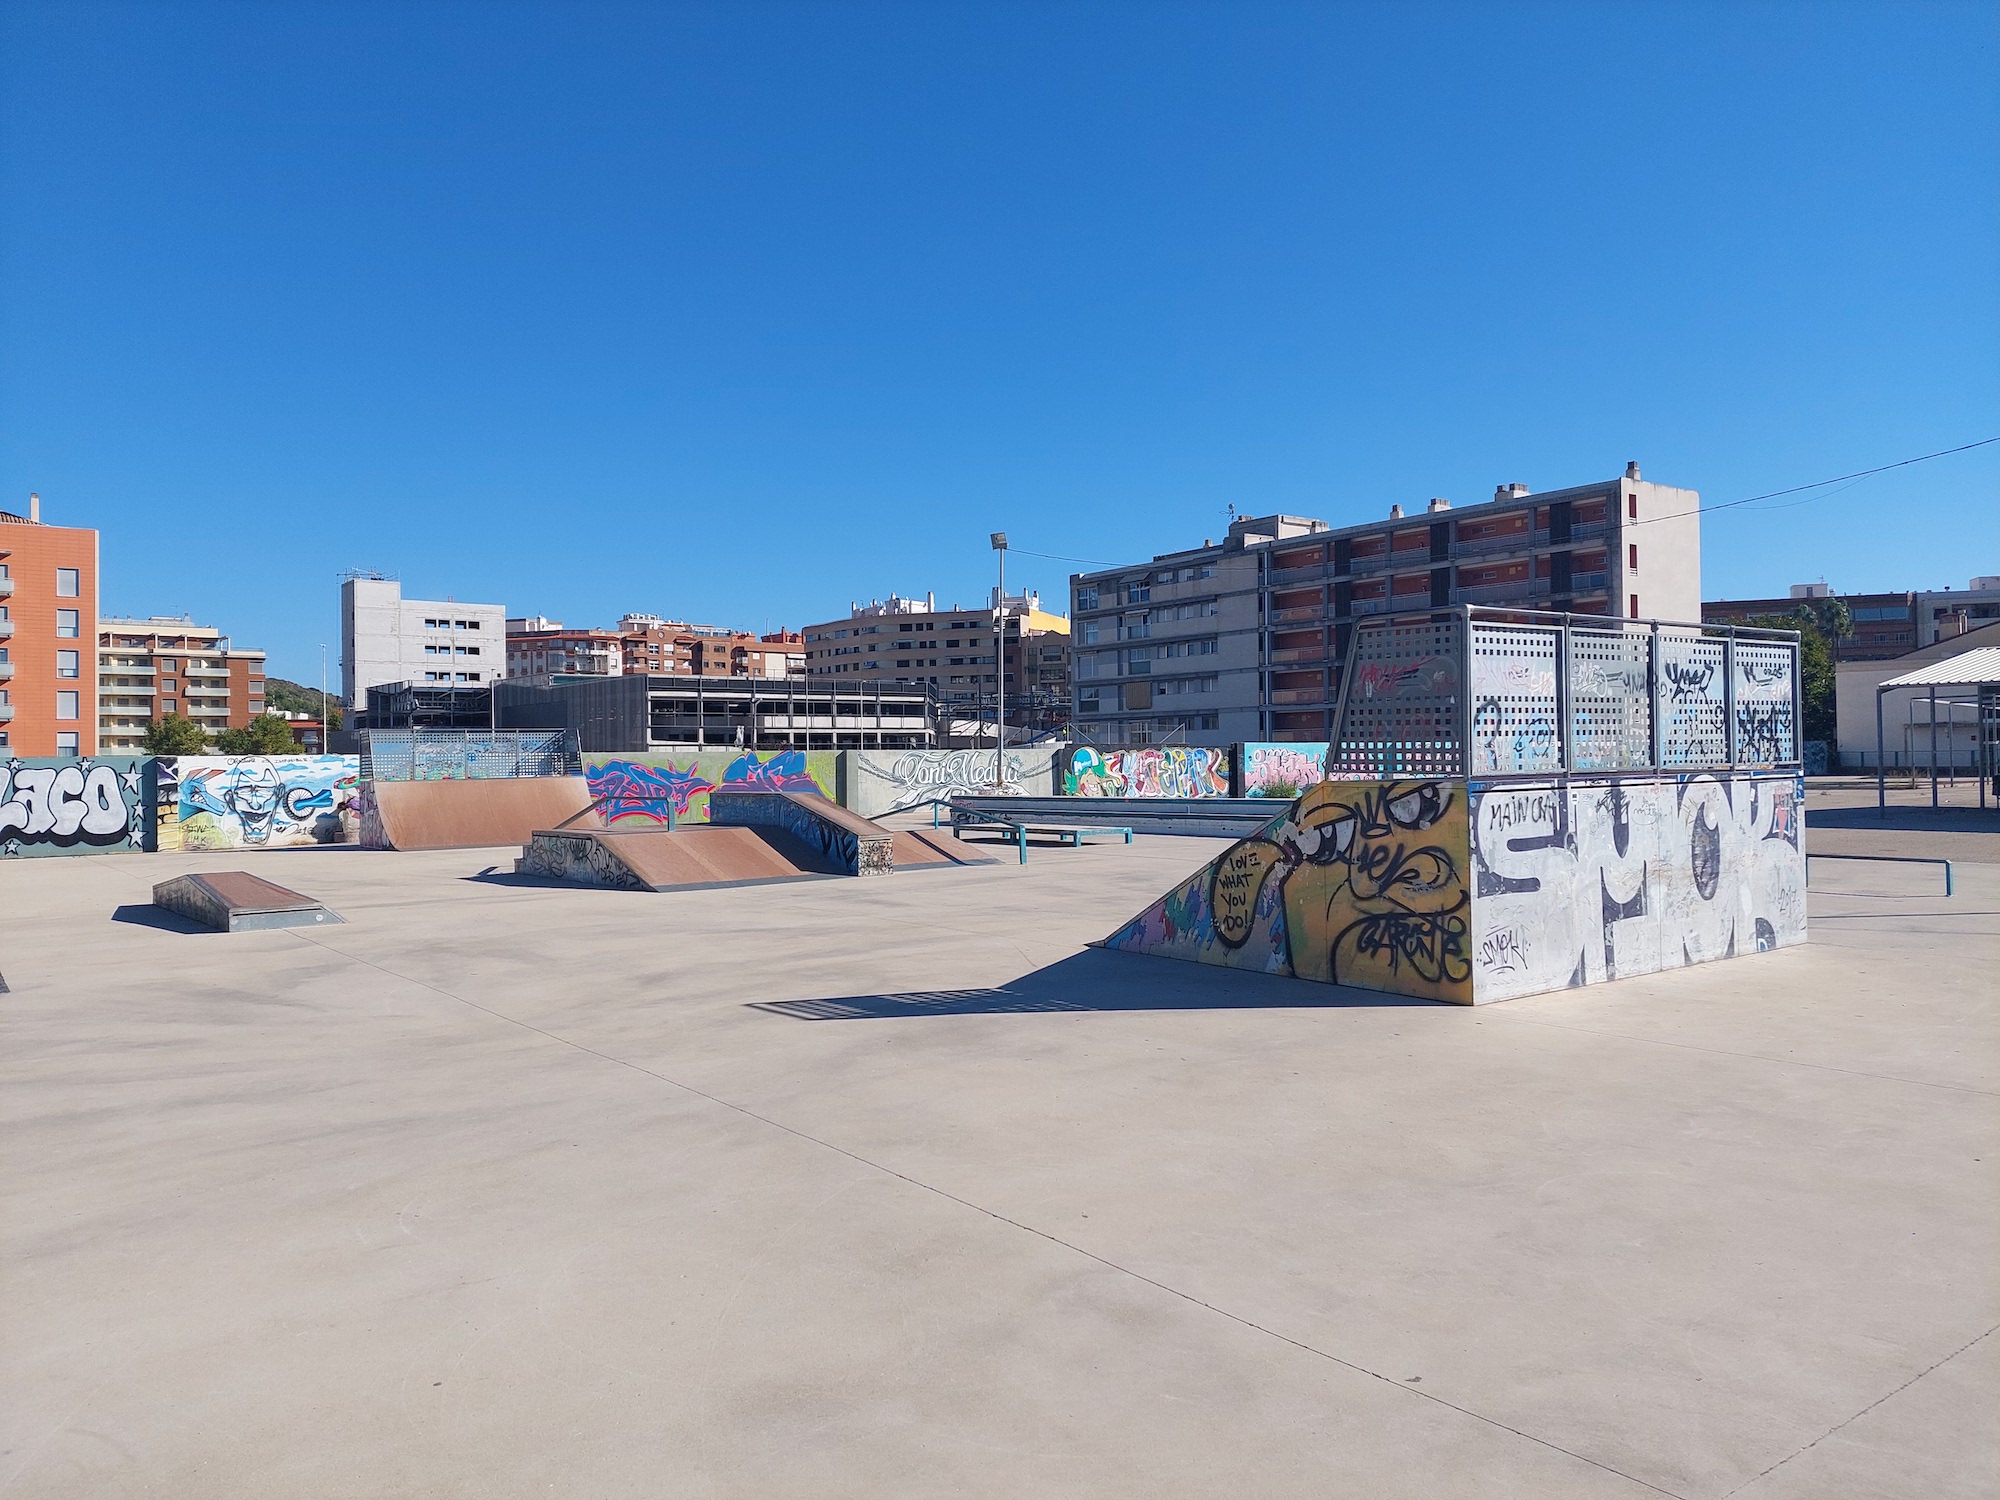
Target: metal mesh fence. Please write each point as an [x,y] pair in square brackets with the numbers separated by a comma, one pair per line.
[466,754]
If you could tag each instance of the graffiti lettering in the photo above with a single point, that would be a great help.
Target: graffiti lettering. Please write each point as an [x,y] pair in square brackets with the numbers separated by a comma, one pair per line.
[71,805]
[1276,770]
[1501,951]
[1170,771]
[1688,680]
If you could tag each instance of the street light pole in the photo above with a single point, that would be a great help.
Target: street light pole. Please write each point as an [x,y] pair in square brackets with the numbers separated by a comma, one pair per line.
[999,540]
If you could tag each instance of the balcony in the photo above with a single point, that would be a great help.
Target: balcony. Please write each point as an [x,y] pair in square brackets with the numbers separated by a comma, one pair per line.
[206,692]
[1503,593]
[1298,653]
[1297,695]
[206,672]
[6,670]
[1368,606]
[1587,583]
[6,712]
[6,628]
[6,585]
[1298,612]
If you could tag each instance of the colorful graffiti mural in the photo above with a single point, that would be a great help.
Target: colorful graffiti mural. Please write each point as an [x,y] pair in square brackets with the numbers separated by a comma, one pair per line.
[255,801]
[1577,884]
[1162,771]
[1281,770]
[645,786]
[69,806]
[1357,883]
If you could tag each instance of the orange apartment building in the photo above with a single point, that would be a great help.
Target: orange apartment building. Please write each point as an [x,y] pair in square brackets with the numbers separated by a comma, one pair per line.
[48,615]
[645,646]
[164,665]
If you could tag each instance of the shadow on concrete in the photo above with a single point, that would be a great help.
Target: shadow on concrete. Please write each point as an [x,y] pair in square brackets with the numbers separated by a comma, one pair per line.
[148,915]
[1906,819]
[1096,980]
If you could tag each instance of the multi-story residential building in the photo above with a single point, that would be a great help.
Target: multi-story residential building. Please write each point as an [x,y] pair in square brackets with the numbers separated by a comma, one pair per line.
[912,641]
[1243,639]
[164,665]
[1884,625]
[644,646]
[386,638]
[48,604]
[538,649]
[1945,614]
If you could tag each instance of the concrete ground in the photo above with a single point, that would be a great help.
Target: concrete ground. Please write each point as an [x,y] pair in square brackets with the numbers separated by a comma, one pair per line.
[891,1187]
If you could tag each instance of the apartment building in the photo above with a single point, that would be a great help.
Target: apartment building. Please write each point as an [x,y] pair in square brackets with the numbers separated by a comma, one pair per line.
[1243,639]
[48,603]
[911,641]
[642,645]
[164,665]
[1884,625]
[385,638]
[1946,614]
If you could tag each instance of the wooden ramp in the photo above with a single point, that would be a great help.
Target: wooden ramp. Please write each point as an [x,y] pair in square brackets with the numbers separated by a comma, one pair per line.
[654,859]
[470,814]
[237,901]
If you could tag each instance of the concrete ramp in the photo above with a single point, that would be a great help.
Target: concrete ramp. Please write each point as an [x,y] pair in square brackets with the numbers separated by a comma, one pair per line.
[236,901]
[470,814]
[654,859]
[922,850]
[853,844]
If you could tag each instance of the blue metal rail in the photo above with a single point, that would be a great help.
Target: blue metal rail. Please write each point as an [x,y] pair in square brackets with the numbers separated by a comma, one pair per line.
[1885,859]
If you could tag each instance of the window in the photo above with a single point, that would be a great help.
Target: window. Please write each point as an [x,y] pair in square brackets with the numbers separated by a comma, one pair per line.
[67,743]
[170,685]
[1137,592]
[1632,506]
[171,706]
[1635,606]
[69,583]
[67,703]
[1086,596]
[1632,556]
[69,664]
[69,624]
[1089,700]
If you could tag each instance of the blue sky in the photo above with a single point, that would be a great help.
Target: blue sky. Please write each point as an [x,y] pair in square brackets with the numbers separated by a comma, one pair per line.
[739,312]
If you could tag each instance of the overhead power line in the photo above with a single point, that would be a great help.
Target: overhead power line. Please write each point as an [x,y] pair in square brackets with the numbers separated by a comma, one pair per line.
[1817,484]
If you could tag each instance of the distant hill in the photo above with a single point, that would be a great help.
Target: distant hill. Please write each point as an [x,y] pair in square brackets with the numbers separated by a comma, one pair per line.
[282,695]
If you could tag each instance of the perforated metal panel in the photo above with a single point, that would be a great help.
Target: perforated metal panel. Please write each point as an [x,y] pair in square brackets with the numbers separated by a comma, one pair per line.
[1403,706]
[1766,724]
[465,754]
[1516,715]
[1610,699]
[1689,690]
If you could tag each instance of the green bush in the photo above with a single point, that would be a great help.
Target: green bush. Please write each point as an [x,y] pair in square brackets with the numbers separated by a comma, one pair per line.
[176,735]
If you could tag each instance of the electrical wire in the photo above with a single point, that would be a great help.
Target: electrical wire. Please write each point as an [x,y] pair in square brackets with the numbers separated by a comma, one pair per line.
[1817,484]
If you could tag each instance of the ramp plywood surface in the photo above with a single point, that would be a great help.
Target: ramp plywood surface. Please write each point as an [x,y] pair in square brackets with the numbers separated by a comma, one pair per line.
[705,855]
[478,814]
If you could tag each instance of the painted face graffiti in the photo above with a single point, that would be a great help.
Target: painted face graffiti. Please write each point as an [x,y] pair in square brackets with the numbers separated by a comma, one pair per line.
[255,800]
[1373,887]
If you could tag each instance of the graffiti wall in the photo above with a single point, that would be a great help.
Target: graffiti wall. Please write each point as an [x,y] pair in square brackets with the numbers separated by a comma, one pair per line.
[255,801]
[1607,880]
[1152,771]
[1358,882]
[644,786]
[71,806]
[1281,770]
[876,782]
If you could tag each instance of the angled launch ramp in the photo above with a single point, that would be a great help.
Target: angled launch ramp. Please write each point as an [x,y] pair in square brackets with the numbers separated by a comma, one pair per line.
[236,901]
[470,814]
[752,838]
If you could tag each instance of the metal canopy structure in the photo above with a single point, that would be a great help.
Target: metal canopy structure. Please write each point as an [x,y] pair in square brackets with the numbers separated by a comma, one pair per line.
[1978,668]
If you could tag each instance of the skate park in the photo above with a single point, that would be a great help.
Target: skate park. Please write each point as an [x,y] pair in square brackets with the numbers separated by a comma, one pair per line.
[505,1181]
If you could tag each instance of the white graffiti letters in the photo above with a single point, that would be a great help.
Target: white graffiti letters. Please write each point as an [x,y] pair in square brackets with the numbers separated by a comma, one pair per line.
[63,805]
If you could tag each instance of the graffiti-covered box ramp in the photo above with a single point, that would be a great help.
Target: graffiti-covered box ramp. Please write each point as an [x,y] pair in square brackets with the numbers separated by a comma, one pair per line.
[469,814]
[237,901]
[1443,891]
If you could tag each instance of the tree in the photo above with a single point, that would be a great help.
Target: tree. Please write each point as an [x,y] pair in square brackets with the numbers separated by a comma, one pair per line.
[288,697]
[176,735]
[267,734]
[1829,616]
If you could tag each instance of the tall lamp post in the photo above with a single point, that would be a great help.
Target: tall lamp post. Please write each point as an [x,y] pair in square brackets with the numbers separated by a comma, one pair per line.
[999,540]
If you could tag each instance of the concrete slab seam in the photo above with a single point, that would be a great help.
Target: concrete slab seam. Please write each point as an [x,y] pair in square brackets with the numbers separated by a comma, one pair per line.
[305,935]
[1969,1343]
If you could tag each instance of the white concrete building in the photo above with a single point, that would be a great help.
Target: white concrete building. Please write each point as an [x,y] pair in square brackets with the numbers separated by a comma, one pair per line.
[387,638]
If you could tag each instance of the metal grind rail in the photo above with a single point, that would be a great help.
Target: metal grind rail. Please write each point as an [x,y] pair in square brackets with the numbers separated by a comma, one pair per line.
[1886,859]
